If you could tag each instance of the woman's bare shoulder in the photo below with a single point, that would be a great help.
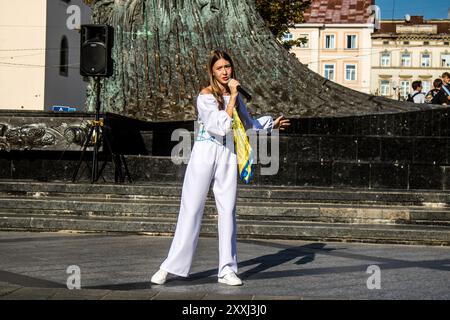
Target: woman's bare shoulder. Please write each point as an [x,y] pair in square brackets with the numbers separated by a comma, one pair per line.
[206,90]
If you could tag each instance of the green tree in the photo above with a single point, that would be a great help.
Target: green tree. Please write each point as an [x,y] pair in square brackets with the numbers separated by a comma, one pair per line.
[279,15]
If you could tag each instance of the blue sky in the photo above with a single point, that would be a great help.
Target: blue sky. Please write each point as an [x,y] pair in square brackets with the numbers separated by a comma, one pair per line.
[436,9]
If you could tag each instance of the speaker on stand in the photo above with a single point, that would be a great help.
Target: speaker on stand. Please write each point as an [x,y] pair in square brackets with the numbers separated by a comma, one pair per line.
[96,47]
[96,62]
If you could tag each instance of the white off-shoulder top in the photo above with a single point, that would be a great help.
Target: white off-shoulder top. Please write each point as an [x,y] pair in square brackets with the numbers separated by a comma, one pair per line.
[218,122]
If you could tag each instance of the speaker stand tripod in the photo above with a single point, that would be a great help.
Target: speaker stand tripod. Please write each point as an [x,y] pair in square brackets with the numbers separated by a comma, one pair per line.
[99,135]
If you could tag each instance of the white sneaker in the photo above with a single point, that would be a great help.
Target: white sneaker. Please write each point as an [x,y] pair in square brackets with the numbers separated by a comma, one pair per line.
[231,279]
[159,277]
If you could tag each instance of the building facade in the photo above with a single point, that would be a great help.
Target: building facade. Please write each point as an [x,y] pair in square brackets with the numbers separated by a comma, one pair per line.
[339,43]
[409,50]
[39,54]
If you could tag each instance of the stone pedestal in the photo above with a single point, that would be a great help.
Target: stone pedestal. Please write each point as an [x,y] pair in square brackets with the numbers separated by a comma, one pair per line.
[407,150]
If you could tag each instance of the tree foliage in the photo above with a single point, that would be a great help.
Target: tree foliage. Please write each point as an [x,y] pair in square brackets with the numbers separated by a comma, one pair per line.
[279,15]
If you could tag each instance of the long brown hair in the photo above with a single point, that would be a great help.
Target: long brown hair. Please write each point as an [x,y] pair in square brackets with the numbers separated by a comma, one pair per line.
[213,58]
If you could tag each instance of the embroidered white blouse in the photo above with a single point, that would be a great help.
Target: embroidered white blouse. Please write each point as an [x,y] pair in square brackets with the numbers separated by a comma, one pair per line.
[218,122]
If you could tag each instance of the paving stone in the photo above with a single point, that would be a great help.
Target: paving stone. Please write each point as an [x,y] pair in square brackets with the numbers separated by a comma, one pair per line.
[260,297]
[6,289]
[178,296]
[216,296]
[270,269]
[31,294]
[82,294]
[130,295]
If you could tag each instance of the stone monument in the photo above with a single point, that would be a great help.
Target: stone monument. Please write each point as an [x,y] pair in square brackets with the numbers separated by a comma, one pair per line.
[161,49]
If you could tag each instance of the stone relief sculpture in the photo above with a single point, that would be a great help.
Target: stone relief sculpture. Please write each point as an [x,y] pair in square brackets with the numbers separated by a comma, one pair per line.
[44,135]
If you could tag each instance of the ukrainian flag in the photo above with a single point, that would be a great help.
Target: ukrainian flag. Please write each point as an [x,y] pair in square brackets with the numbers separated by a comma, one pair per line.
[243,149]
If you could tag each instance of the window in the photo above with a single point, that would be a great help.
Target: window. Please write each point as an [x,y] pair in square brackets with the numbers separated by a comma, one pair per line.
[446,43]
[404,89]
[426,43]
[351,42]
[385,59]
[445,60]
[288,36]
[350,72]
[426,86]
[64,57]
[329,71]
[425,60]
[405,42]
[406,60]
[329,41]
[386,42]
[384,87]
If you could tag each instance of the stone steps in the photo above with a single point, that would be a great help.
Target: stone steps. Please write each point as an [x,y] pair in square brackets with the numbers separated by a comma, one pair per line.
[271,193]
[301,211]
[262,212]
[350,216]
[403,234]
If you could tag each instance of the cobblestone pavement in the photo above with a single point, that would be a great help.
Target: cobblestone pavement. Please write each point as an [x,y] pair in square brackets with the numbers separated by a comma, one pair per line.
[119,266]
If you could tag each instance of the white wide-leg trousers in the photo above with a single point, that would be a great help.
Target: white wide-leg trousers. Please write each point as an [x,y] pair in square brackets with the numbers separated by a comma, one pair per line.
[210,161]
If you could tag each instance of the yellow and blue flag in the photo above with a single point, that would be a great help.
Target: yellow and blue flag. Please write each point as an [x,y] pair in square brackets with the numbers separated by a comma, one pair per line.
[243,149]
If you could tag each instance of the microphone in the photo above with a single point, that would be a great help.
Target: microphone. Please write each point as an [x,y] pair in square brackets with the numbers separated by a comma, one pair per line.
[244,92]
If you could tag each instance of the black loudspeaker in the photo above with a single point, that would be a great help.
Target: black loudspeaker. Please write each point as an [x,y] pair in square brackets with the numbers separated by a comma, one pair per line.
[96,47]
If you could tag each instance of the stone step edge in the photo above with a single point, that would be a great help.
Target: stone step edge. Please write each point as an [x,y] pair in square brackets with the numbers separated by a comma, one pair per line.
[252,188]
[349,234]
[336,220]
[305,217]
[247,222]
[243,200]
[211,203]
